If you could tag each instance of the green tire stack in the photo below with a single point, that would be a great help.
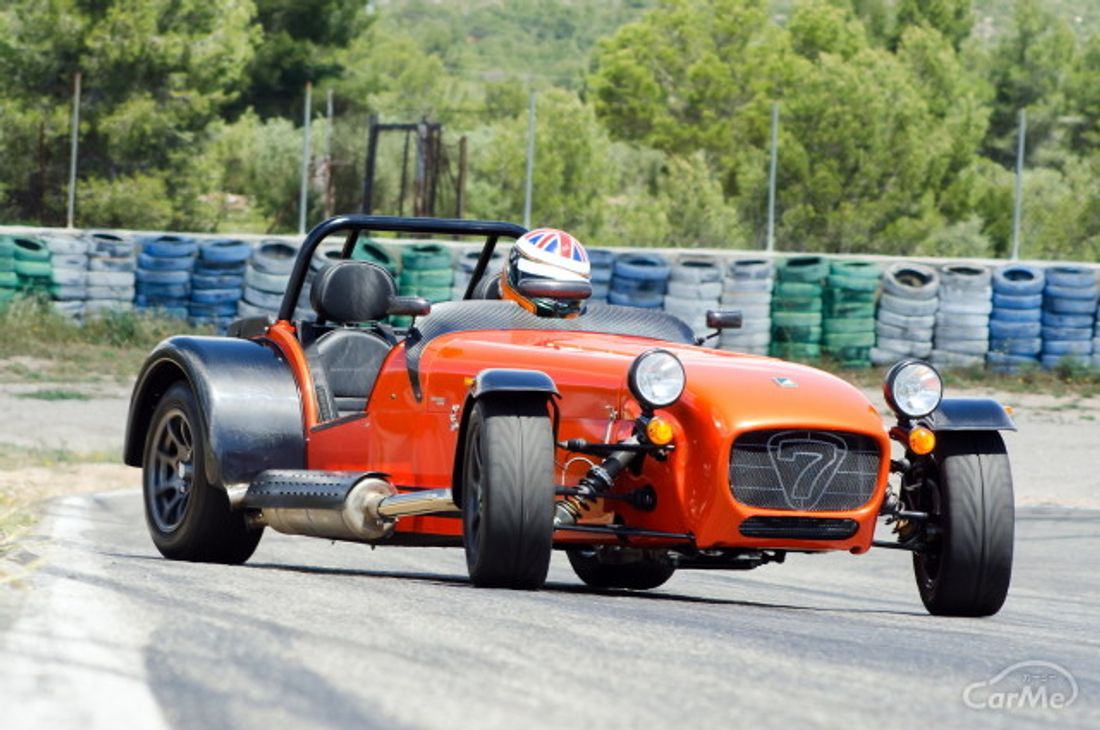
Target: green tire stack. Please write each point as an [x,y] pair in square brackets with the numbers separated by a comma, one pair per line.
[849,322]
[797,303]
[32,265]
[367,249]
[426,271]
[9,280]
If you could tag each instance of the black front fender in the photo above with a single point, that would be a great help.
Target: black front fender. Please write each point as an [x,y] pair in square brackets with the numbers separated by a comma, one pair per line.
[970,414]
[247,398]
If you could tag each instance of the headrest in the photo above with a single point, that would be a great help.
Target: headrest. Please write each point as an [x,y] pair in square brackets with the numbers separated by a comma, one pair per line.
[349,292]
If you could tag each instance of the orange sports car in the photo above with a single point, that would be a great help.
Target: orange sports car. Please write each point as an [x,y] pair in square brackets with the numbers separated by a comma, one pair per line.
[612,435]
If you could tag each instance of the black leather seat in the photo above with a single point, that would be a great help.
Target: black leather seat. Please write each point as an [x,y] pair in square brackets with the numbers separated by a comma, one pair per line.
[345,360]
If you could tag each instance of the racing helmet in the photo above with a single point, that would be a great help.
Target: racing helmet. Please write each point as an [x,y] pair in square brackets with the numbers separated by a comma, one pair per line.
[545,253]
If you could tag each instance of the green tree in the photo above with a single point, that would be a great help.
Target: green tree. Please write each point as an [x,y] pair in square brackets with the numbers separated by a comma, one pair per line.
[953,18]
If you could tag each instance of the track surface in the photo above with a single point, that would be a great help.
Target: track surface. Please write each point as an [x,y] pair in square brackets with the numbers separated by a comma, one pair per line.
[330,635]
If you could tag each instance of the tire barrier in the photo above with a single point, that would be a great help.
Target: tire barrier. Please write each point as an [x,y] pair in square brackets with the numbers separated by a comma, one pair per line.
[464,269]
[639,280]
[265,277]
[164,274]
[9,280]
[31,262]
[848,325]
[906,313]
[797,305]
[694,286]
[602,262]
[747,288]
[68,272]
[216,282]
[1068,319]
[110,279]
[1014,325]
[426,271]
[962,320]
[368,249]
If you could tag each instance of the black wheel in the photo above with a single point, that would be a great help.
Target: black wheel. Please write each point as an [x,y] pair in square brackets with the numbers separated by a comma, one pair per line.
[968,564]
[508,494]
[641,572]
[188,518]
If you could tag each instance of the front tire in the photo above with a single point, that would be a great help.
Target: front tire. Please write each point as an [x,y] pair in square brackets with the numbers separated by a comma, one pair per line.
[508,494]
[968,567]
[648,571]
[188,518]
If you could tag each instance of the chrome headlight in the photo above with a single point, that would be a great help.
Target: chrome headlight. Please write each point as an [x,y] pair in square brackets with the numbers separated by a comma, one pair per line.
[913,388]
[657,378]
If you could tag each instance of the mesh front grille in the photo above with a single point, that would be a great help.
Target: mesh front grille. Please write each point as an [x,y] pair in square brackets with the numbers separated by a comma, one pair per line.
[804,470]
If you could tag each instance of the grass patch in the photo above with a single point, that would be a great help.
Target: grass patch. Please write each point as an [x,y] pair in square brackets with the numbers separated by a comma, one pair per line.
[1068,379]
[111,345]
[55,394]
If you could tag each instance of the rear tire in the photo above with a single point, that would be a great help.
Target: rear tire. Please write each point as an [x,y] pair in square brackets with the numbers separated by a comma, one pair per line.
[639,575]
[968,568]
[188,518]
[508,493]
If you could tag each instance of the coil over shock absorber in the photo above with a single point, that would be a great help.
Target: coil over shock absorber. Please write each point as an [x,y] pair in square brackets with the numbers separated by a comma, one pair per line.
[598,482]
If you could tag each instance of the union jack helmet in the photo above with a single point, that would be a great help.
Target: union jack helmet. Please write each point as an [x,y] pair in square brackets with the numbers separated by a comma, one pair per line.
[546,253]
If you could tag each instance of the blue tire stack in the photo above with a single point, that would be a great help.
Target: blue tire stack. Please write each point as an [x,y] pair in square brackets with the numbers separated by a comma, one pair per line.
[464,269]
[1069,314]
[639,280]
[265,278]
[748,290]
[110,274]
[1014,327]
[217,281]
[164,274]
[602,262]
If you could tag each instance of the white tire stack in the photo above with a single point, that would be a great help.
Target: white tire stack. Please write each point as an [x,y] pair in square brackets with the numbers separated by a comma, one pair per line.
[748,289]
[111,264]
[694,286]
[69,272]
[962,320]
[906,317]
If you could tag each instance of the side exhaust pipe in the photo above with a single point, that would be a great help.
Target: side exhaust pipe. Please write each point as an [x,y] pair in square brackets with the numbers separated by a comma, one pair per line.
[337,505]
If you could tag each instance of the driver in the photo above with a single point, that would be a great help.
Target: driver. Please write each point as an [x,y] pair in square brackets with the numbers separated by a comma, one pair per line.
[545,253]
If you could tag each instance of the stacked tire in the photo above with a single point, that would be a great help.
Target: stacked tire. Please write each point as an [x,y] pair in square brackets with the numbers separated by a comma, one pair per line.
[265,278]
[164,274]
[748,289]
[9,280]
[694,286]
[217,281]
[848,325]
[68,272]
[962,320]
[32,266]
[426,271]
[1014,327]
[797,304]
[110,278]
[1069,315]
[602,262]
[906,318]
[639,280]
[464,269]
[370,250]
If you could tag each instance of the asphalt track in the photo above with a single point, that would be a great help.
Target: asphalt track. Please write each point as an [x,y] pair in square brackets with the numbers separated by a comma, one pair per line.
[310,633]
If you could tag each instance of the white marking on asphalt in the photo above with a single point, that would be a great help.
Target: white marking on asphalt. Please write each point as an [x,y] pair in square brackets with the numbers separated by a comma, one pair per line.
[71,660]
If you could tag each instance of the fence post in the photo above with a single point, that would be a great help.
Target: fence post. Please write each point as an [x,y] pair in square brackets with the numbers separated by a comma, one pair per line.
[530,161]
[771,177]
[330,188]
[1019,201]
[74,144]
[303,195]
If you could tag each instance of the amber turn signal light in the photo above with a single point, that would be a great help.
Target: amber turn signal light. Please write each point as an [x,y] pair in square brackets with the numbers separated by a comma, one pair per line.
[659,432]
[922,441]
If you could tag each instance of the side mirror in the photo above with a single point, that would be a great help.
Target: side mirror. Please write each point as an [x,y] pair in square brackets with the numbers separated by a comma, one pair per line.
[723,319]
[553,289]
[409,306]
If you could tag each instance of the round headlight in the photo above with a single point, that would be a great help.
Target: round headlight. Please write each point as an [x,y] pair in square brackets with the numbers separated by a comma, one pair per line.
[913,388]
[657,378]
